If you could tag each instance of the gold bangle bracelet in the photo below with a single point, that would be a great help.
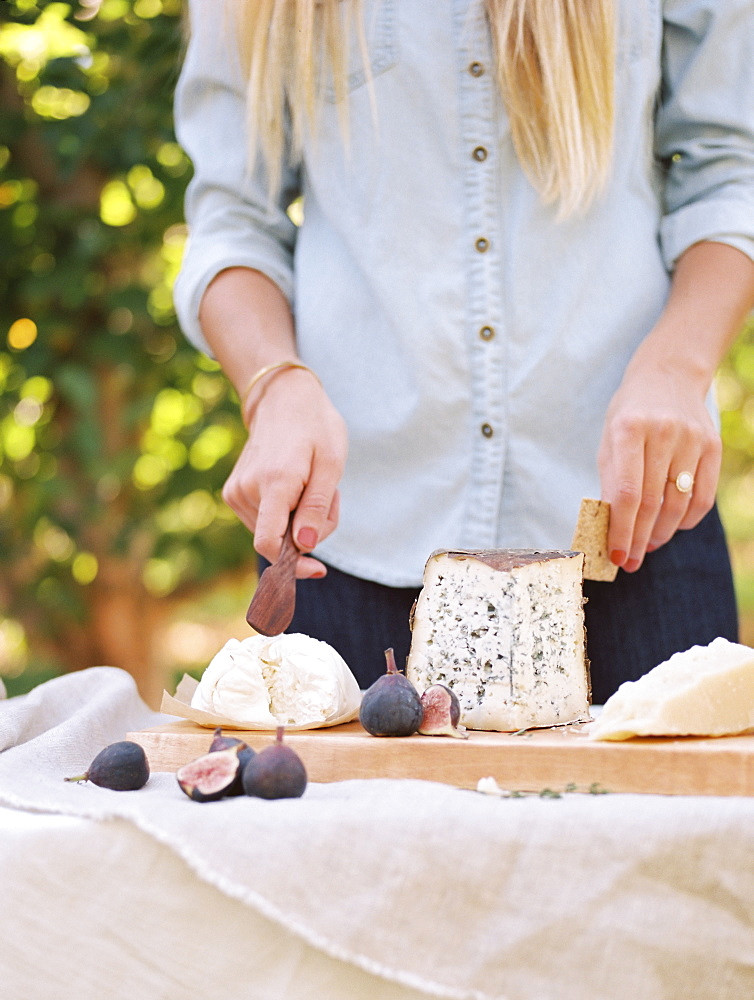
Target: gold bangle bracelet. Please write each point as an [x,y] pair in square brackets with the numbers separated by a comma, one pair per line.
[267,370]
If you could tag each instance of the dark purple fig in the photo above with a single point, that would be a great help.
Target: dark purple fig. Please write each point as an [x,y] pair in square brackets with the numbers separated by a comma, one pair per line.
[122,766]
[245,753]
[222,742]
[441,711]
[277,772]
[391,706]
[211,776]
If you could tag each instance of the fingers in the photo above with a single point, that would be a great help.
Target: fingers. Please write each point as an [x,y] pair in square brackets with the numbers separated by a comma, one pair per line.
[292,461]
[662,506]
[675,505]
[315,504]
[661,522]
[308,535]
[706,480]
[621,462]
[238,492]
[317,508]
[683,510]
[639,463]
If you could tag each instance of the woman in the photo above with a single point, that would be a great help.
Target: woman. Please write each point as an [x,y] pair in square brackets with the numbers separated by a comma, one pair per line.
[528,240]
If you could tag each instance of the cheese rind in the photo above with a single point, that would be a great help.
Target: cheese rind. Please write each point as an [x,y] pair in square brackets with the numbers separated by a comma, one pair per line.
[704,691]
[590,537]
[504,629]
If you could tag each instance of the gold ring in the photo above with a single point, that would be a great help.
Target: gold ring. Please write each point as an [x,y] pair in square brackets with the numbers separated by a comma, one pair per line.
[684,482]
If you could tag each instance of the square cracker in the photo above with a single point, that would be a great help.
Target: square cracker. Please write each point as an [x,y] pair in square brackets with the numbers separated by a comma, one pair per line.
[590,538]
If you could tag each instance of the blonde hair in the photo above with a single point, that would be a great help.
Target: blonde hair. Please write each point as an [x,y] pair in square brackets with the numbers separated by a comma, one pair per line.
[555,70]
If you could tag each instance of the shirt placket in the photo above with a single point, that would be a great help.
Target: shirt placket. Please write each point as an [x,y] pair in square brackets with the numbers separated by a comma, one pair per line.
[479,135]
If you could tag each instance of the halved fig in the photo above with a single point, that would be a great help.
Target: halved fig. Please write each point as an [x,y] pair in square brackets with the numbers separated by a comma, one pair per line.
[441,713]
[245,753]
[211,776]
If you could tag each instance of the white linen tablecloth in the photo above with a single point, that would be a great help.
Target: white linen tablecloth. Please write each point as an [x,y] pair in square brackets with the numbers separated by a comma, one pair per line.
[390,890]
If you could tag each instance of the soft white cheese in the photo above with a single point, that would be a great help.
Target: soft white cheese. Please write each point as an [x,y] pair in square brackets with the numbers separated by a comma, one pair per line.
[505,630]
[704,691]
[289,679]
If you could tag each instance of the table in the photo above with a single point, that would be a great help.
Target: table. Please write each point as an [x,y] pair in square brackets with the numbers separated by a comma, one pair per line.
[381,889]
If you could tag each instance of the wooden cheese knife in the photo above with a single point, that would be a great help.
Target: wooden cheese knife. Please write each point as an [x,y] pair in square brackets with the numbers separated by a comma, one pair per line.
[274,601]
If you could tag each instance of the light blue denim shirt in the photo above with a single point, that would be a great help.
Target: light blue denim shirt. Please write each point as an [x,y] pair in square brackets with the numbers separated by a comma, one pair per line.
[471,342]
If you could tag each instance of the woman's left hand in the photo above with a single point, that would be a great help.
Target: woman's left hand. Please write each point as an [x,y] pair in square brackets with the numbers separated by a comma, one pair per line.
[657,427]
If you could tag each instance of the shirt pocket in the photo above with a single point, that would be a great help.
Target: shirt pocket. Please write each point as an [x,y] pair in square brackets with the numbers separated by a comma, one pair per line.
[381,44]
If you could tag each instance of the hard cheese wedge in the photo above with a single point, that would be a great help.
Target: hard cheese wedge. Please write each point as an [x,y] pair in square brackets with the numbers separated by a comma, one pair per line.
[504,628]
[704,691]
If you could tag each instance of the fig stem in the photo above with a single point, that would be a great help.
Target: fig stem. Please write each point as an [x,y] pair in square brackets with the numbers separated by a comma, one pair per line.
[78,777]
[391,664]
[279,734]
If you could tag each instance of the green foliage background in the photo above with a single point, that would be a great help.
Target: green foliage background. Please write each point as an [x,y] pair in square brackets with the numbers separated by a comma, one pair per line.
[735,392]
[115,435]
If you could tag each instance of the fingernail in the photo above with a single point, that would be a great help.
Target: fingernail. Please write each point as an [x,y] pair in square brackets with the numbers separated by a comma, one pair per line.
[632,565]
[618,556]
[651,547]
[319,575]
[307,538]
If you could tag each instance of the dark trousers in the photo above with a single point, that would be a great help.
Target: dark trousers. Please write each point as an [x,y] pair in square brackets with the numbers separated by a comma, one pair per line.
[680,597]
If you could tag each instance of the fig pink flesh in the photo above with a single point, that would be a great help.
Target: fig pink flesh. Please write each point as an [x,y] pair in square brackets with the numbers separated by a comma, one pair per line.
[436,702]
[210,773]
[441,712]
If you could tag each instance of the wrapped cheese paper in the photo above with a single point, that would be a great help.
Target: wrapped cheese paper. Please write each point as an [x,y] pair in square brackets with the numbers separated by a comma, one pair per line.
[264,682]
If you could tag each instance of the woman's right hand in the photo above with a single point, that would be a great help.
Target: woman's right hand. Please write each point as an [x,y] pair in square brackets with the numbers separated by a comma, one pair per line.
[293,459]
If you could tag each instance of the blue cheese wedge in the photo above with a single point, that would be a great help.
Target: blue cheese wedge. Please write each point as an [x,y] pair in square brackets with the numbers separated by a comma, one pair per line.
[703,691]
[504,629]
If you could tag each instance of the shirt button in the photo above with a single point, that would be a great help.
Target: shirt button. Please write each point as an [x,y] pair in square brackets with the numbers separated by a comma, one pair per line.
[476,69]
[482,244]
[480,154]
[487,333]
[487,430]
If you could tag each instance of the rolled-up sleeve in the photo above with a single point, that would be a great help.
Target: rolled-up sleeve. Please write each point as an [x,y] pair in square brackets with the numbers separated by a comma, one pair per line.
[232,222]
[705,125]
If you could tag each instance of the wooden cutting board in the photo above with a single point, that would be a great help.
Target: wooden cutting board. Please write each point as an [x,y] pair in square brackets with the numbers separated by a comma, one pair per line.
[555,759]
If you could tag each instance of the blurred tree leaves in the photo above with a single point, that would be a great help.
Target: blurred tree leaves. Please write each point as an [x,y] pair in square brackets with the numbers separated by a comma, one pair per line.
[735,390]
[115,435]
